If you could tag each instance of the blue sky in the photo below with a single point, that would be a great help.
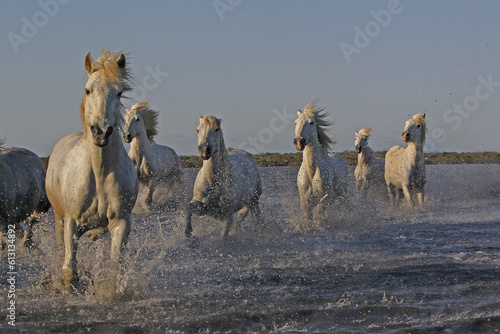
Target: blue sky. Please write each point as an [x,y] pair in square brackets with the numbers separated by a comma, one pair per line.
[254,63]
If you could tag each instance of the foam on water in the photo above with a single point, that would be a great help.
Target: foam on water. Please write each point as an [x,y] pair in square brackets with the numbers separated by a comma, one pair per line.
[370,267]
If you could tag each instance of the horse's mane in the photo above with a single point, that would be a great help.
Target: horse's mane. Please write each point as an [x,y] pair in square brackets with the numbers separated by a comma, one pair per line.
[149,116]
[214,123]
[365,132]
[108,67]
[312,110]
[2,142]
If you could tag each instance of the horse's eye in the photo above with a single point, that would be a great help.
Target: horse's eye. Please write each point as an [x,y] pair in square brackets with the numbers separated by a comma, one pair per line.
[137,119]
[217,130]
[311,122]
[120,93]
[418,126]
[197,130]
[87,91]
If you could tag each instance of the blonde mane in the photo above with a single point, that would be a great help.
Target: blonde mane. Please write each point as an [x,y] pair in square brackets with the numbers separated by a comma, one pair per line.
[108,67]
[365,132]
[149,116]
[312,110]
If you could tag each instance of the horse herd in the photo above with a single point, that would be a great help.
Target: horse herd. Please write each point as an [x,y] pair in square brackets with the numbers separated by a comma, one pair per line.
[92,182]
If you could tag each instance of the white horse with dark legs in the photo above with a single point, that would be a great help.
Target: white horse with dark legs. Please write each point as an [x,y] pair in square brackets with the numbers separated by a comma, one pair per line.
[404,166]
[228,182]
[91,181]
[22,190]
[153,163]
[369,171]
[322,178]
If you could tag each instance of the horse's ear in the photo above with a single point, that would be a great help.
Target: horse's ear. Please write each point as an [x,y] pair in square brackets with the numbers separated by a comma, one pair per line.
[299,112]
[423,115]
[356,133]
[121,62]
[88,62]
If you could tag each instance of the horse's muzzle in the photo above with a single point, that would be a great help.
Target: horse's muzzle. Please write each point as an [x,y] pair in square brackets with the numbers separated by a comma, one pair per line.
[101,136]
[127,138]
[358,149]
[405,136]
[205,151]
[300,144]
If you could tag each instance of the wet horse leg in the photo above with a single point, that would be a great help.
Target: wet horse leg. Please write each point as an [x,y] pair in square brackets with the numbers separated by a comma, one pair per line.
[69,266]
[194,206]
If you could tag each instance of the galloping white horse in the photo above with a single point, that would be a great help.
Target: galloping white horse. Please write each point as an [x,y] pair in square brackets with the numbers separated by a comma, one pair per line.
[22,190]
[153,163]
[404,166]
[322,177]
[228,182]
[91,181]
[369,170]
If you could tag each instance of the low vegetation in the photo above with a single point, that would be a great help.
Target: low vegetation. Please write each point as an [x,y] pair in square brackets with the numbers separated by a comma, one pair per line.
[294,159]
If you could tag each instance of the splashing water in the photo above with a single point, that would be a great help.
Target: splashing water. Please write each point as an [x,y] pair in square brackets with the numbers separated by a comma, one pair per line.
[369,267]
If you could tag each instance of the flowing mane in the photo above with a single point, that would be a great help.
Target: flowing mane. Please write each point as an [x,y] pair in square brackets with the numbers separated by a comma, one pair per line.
[149,116]
[365,132]
[107,65]
[322,124]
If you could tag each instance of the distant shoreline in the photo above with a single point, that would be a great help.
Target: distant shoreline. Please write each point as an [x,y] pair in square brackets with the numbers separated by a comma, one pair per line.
[295,159]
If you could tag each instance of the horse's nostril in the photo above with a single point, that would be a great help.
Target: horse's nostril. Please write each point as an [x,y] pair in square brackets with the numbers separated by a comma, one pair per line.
[295,141]
[302,141]
[109,131]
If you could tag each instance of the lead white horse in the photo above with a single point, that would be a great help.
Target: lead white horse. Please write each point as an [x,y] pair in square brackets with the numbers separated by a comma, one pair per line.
[369,171]
[228,182]
[322,178]
[153,163]
[404,166]
[91,181]
[22,190]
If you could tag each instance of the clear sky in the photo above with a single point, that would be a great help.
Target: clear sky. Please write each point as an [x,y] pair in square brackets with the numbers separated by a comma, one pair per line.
[254,63]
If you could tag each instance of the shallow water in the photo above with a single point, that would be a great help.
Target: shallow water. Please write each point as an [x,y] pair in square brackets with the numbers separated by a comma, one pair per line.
[370,268]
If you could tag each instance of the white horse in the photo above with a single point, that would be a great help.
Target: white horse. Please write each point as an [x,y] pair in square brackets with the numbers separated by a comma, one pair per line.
[322,178]
[369,171]
[91,181]
[153,163]
[22,190]
[228,182]
[404,166]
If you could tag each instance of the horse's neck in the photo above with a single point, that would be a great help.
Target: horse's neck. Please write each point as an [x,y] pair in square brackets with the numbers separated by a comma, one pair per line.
[312,157]
[366,156]
[140,147]
[414,152]
[107,159]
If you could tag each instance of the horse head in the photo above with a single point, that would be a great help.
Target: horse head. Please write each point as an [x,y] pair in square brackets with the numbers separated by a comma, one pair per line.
[101,105]
[305,130]
[415,129]
[361,139]
[209,136]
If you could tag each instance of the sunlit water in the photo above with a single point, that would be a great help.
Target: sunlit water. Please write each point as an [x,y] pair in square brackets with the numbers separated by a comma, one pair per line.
[369,268]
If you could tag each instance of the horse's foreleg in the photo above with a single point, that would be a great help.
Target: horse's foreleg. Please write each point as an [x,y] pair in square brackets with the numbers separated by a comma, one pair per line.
[407,193]
[242,214]
[151,189]
[69,272]
[193,206]
[420,197]
[228,221]
[119,230]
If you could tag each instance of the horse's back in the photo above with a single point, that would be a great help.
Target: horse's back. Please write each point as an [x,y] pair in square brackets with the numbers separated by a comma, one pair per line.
[22,188]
